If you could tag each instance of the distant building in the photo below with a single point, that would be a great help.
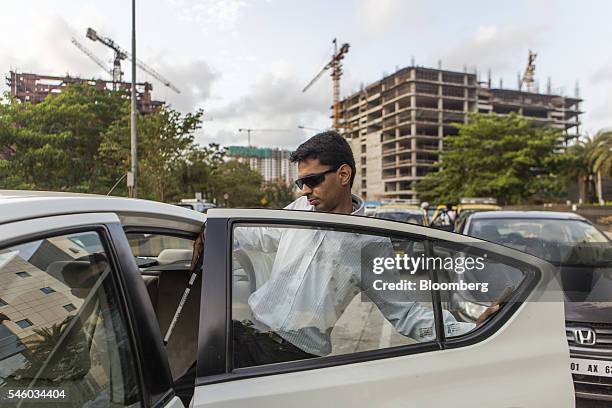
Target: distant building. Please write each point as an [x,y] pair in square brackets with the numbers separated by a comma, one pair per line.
[272,164]
[396,125]
[34,88]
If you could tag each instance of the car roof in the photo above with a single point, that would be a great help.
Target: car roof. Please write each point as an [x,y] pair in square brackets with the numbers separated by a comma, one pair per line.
[479,207]
[16,205]
[399,208]
[552,215]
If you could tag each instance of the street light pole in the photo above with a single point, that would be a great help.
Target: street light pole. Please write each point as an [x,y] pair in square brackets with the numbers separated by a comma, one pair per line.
[133,113]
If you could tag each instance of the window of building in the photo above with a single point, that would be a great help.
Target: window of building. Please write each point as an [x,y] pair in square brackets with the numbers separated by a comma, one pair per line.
[85,351]
[24,323]
[22,274]
[70,307]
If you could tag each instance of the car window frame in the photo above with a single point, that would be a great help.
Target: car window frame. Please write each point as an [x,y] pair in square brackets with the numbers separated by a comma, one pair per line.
[105,234]
[214,351]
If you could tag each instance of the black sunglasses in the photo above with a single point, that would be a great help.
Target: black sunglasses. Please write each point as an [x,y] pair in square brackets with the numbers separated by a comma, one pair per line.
[313,180]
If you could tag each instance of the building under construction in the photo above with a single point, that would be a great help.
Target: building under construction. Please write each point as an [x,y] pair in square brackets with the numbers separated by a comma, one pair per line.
[396,125]
[34,88]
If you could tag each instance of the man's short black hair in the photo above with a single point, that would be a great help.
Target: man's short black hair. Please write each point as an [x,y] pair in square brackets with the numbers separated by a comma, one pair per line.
[330,148]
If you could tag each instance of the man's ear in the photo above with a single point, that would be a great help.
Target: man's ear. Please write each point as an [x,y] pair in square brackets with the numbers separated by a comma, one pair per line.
[345,172]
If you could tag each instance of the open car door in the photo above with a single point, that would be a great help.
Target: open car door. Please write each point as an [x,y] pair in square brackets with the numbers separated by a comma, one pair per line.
[310,309]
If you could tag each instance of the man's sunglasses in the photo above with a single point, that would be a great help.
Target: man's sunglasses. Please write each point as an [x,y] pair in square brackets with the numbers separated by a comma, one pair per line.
[313,180]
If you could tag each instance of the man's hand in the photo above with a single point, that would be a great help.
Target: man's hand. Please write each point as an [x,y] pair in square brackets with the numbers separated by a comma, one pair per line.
[494,308]
[489,311]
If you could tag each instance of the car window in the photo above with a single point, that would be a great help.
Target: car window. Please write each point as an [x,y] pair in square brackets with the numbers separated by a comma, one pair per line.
[159,249]
[473,279]
[61,325]
[403,216]
[557,241]
[303,293]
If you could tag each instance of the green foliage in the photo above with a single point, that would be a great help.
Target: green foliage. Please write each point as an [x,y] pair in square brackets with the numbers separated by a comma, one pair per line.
[238,180]
[164,138]
[503,157]
[600,155]
[53,145]
[277,194]
[79,141]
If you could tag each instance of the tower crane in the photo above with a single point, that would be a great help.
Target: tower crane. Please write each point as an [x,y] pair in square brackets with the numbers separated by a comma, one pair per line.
[120,55]
[528,78]
[250,130]
[335,65]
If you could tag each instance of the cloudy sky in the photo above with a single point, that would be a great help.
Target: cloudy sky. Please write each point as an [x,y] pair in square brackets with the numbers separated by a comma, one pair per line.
[245,62]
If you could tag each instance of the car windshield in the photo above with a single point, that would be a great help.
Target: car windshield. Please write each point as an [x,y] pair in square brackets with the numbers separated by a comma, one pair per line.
[403,216]
[567,242]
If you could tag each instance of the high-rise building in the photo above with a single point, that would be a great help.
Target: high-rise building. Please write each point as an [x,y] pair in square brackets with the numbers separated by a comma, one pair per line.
[272,164]
[396,125]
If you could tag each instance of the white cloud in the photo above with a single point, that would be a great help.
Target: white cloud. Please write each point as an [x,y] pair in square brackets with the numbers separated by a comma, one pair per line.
[47,50]
[272,102]
[219,14]
[603,74]
[194,77]
[503,50]
[376,17]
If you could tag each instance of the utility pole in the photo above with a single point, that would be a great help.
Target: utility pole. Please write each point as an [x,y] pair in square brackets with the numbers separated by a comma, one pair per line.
[133,113]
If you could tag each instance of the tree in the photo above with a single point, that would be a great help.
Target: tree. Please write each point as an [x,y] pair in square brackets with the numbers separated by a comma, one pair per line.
[53,145]
[580,168]
[241,183]
[278,194]
[164,139]
[196,171]
[508,158]
[600,158]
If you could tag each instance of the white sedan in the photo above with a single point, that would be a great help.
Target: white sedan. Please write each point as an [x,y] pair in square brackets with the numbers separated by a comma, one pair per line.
[90,287]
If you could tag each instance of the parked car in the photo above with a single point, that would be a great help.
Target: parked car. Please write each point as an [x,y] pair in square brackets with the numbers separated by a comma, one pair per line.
[469,206]
[196,205]
[80,317]
[370,207]
[405,213]
[583,257]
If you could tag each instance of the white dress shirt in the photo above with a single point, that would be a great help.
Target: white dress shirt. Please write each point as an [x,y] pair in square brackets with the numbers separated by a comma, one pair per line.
[315,274]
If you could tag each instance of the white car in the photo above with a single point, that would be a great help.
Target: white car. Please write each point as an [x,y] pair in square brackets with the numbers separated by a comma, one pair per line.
[89,286]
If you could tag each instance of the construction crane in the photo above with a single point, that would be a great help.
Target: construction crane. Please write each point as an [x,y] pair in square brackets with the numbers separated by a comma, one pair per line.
[335,65]
[528,78]
[249,131]
[91,55]
[120,55]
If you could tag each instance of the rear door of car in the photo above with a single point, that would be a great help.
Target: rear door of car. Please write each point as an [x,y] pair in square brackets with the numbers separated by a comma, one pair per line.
[518,357]
[78,328]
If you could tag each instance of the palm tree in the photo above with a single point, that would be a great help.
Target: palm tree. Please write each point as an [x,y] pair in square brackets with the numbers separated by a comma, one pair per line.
[600,158]
[581,170]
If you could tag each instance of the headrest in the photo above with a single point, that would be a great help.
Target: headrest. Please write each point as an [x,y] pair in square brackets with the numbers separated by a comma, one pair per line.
[168,256]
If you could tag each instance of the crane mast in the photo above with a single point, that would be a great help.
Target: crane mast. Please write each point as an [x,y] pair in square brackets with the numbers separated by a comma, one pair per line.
[335,67]
[120,55]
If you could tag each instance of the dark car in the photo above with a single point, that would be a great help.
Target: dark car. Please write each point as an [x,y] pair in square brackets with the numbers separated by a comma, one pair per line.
[583,257]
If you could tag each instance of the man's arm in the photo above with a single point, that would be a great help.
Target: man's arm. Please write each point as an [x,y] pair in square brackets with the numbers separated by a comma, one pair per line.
[402,308]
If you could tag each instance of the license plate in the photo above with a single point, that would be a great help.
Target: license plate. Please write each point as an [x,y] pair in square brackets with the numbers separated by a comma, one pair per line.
[599,368]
